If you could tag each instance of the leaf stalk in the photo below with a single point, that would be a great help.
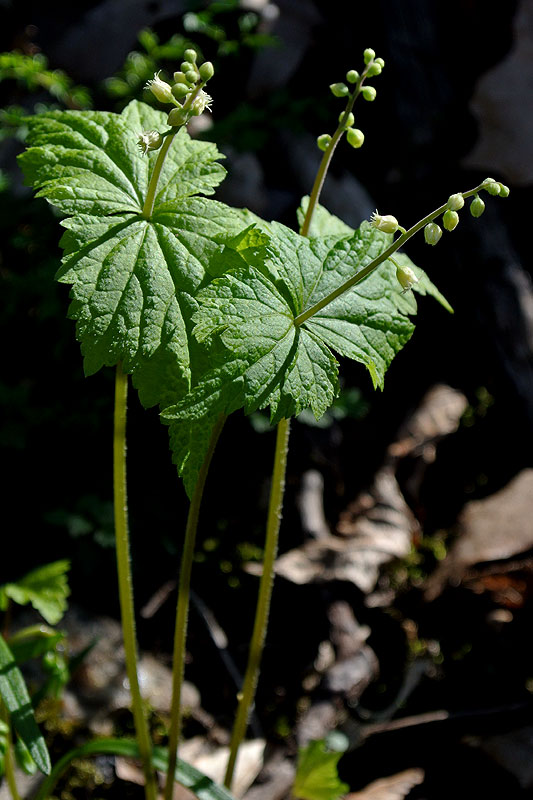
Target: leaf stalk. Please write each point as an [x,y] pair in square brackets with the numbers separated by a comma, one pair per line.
[247,694]
[182,610]
[125,583]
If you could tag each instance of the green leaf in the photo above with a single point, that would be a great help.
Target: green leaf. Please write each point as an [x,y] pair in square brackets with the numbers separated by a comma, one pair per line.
[200,785]
[33,641]
[261,358]
[316,775]
[323,223]
[133,279]
[17,701]
[46,588]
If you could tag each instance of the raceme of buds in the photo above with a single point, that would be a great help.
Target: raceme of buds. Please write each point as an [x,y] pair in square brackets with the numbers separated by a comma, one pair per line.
[339,89]
[406,277]
[492,187]
[386,223]
[160,89]
[369,93]
[432,233]
[380,61]
[477,206]
[369,55]
[149,140]
[450,220]
[455,202]
[323,141]
[355,137]
[352,76]
[350,119]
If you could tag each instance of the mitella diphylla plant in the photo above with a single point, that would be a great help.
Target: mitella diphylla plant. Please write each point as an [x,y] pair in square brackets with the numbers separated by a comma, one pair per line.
[211,309]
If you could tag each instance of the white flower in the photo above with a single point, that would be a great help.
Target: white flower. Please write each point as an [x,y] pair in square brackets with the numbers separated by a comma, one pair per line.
[160,89]
[149,140]
[387,223]
[201,103]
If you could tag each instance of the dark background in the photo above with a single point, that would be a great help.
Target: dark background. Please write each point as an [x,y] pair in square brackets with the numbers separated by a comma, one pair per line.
[450,111]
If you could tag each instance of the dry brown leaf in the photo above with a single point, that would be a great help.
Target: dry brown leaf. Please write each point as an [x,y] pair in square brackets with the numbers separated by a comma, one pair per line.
[395,787]
[368,540]
[493,529]
[213,761]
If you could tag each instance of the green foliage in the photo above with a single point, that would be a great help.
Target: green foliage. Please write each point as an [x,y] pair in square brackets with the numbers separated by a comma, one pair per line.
[17,701]
[200,785]
[316,775]
[46,588]
[32,72]
[248,314]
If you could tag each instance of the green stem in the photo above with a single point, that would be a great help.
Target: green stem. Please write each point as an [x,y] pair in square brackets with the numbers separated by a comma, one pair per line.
[247,694]
[182,610]
[162,154]
[125,584]
[328,155]
[363,273]
[152,188]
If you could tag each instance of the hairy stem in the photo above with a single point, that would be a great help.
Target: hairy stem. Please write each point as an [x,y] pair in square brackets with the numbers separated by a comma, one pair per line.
[363,273]
[182,610]
[247,694]
[125,584]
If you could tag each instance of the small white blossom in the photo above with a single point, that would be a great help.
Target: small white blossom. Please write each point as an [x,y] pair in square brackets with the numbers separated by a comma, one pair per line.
[149,140]
[387,223]
[202,103]
[161,89]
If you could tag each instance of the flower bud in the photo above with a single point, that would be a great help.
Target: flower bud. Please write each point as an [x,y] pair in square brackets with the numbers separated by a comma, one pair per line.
[432,233]
[355,137]
[369,93]
[450,220]
[160,89]
[349,120]
[486,183]
[179,90]
[323,141]
[477,206]
[177,117]
[387,223]
[374,69]
[179,77]
[149,140]
[339,89]
[406,278]
[185,66]
[369,55]
[207,71]
[380,61]
[352,76]
[493,188]
[191,77]
[190,56]
[456,202]
[504,190]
